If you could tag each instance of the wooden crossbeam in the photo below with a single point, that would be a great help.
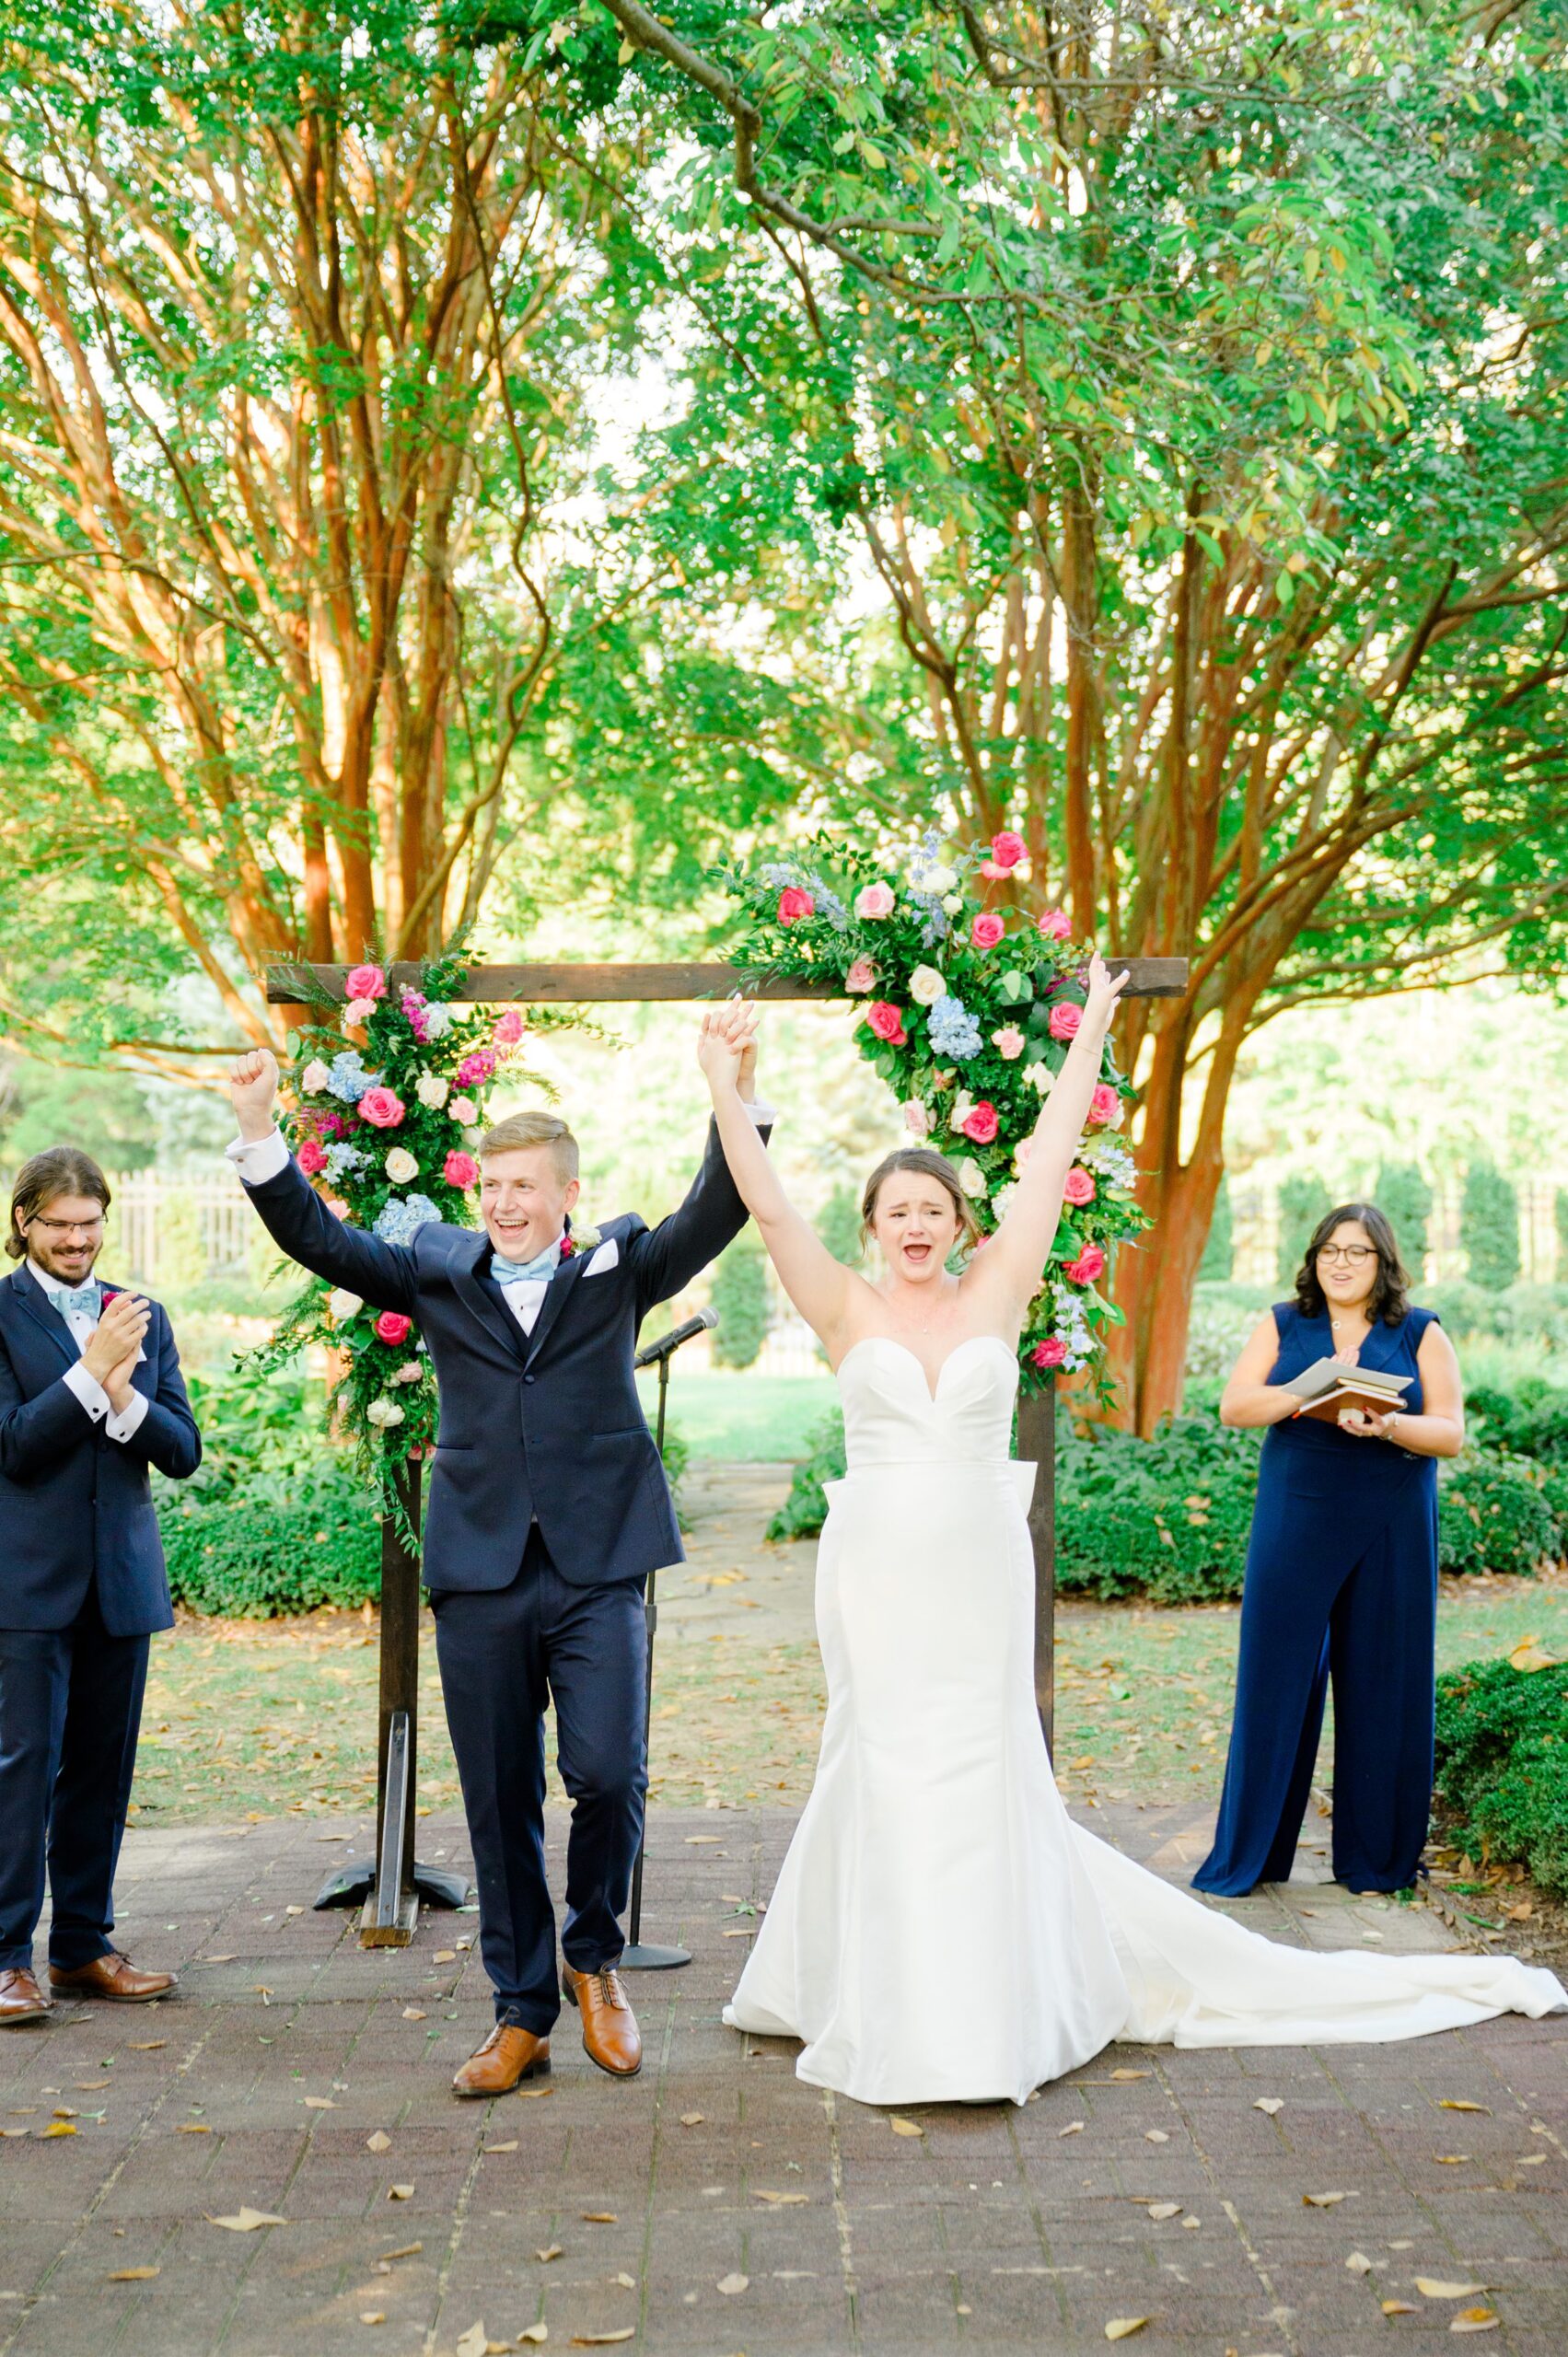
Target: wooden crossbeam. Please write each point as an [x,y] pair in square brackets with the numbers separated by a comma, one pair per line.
[574,983]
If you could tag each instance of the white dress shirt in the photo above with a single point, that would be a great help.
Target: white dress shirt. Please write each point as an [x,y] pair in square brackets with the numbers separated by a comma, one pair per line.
[263,1158]
[119,1424]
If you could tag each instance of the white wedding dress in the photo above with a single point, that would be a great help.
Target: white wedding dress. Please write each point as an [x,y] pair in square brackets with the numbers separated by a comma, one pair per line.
[941,1930]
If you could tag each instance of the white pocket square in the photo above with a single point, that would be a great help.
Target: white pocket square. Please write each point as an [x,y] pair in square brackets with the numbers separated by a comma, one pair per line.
[607,1255]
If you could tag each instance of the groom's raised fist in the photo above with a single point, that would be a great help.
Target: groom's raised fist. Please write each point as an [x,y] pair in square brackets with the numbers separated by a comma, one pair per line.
[252,1086]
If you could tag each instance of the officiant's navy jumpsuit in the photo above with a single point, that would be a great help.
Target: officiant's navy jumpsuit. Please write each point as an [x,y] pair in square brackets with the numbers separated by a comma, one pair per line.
[1342,1581]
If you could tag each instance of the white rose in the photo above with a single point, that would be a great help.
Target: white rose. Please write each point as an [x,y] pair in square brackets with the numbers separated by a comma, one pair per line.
[952,903]
[400,1165]
[1040,1078]
[431,1089]
[463,1108]
[971,1179]
[409,1373]
[384,1412]
[926,986]
[586,1236]
[343,1306]
[471,1137]
[1003,1197]
[963,1105]
[938,880]
[315,1076]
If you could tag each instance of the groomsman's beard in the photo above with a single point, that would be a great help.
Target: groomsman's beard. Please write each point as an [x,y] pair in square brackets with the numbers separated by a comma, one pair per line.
[71,1264]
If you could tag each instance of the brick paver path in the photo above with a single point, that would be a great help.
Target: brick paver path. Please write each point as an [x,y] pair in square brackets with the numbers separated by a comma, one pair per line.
[715,2204]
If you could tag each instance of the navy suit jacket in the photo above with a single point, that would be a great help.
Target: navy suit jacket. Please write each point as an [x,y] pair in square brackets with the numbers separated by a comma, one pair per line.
[75,1503]
[545,1426]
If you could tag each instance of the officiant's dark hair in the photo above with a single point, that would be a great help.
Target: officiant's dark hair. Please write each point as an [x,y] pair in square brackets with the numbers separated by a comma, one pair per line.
[58,1171]
[1390,1297]
[932,1165]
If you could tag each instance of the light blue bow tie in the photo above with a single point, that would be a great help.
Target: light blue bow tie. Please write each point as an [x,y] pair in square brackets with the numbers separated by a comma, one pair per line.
[85,1298]
[537,1271]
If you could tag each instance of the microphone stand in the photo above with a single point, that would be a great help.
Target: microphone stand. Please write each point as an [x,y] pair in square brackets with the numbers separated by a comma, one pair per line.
[640,1955]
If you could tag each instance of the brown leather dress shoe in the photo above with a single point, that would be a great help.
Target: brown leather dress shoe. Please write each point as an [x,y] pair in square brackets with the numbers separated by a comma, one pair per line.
[113,1978]
[21,1998]
[508,2054]
[610,2036]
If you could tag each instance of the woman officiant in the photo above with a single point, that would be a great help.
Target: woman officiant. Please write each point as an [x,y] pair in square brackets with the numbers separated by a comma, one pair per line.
[1342,1571]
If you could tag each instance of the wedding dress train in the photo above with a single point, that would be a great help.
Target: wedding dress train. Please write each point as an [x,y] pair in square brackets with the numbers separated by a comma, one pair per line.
[941,1930]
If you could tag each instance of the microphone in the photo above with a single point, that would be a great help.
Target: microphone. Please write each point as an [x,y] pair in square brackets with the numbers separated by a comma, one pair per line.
[667,1344]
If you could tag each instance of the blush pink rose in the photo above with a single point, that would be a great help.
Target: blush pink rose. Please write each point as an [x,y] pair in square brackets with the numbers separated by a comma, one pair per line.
[861,976]
[794,904]
[1079,1188]
[1008,849]
[987,930]
[381,1108]
[1009,1042]
[917,1121]
[366,982]
[459,1170]
[886,1022]
[509,1028]
[1064,1021]
[311,1157]
[358,1011]
[1089,1264]
[393,1327]
[1056,926]
[1104,1102]
[979,1122]
[1050,1352]
[875,900]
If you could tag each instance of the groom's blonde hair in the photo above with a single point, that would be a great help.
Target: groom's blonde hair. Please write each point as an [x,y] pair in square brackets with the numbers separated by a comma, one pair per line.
[534,1129]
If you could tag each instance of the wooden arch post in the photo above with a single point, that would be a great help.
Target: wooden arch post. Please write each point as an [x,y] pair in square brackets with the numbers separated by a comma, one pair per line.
[395,1883]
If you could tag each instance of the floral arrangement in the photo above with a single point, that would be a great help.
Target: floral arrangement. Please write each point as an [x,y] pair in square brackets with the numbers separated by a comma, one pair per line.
[967,1009]
[385,1105]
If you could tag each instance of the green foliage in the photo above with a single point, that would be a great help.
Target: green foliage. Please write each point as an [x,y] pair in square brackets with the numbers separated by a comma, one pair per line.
[1303,1200]
[1527,1316]
[1406,1201]
[805,1510]
[1560,1220]
[1489,1226]
[1218,1262]
[1501,1765]
[103,1113]
[838,1225]
[1493,1514]
[740,1299]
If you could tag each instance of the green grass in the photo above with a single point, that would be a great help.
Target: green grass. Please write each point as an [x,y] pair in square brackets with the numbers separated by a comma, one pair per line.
[764,1418]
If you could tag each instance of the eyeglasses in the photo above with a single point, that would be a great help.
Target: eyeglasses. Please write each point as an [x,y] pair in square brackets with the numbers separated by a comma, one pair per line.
[87,1228]
[1355,1256]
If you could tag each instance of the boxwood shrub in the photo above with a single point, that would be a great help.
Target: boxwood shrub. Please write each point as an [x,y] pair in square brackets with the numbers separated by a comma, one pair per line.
[1502,1764]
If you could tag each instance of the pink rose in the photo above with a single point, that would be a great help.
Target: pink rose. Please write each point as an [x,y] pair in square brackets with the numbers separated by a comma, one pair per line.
[886,1022]
[366,982]
[1079,1187]
[1104,1102]
[987,930]
[875,900]
[474,1069]
[1089,1264]
[393,1327]
[1009,1042]
[1050,1352]
[917,1121]
[1008,849]
[1056,926]
[509,1028]
[979,1122]
[358,1011]
[311,1157]
[1064,1021]
[459,1170]
[1021,1153]
[794,904]
[381,1109]
[861,976]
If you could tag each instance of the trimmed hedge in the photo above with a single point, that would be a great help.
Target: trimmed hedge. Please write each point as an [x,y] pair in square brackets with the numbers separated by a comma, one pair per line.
[1502,1764]
[263,1551]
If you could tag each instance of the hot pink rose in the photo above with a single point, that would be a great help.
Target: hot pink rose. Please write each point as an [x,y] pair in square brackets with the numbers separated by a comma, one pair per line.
[311,1157]
[1050,1352]
[1056,926]
[1008,849]
[987,930]
[474,1069]
[861,976]
[1064,1021]
[979,1122]
[794,904]
[393,1327]
[886,1022]
[1104,1102]
[366,982]
[1089,1264]
[1079,1187]
[459,1170]
[381,1108]
[875,900]
[1009,1042]
[509,1028]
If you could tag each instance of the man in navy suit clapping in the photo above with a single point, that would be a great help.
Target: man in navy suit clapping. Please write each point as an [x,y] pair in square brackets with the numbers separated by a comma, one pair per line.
[90,1397]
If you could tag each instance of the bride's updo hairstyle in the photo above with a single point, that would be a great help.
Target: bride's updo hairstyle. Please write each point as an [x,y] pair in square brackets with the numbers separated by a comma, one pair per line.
[930,1164]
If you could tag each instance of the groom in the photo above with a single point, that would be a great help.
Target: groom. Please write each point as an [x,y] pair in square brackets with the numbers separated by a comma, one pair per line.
[548,1508]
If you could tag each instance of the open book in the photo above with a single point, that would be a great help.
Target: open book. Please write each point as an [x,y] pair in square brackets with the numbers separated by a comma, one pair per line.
[1329,1385]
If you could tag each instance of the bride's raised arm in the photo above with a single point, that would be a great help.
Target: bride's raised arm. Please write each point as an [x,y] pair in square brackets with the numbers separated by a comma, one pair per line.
[1010,1267]
[818,1285]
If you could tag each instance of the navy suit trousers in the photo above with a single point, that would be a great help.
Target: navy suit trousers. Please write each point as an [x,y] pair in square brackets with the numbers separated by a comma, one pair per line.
[70,1710]
[502,1653]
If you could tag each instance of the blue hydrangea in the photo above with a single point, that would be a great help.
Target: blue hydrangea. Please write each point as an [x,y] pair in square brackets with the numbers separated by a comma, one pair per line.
[347,1079]
[343,1158]
[776,875]
[954,1030]
[399,1221]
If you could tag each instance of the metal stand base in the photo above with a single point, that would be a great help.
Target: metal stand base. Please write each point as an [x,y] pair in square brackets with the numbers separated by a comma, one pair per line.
[641,1958]
[349,1886]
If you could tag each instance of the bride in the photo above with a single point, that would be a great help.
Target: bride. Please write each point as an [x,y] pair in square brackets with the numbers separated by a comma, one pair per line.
[941,1930]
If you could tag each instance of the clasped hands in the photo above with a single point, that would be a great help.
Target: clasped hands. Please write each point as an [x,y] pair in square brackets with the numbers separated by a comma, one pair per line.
[111,1356]
[726,1045]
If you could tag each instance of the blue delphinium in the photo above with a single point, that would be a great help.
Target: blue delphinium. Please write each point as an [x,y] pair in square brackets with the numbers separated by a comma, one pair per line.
[399,1221]
[347,1079]
[344,1159]
[954,1030]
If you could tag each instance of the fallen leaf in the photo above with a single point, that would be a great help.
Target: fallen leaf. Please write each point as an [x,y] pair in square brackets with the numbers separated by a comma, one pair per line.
[148,2044]
[603,2339]
[214,1959]
[13,2131]
[730,2285]
[534,2333]
[599,2217]
[780,2199]
[1165,2210]
[627,2283]
[1458,2103]
[192,2127]
[544,2257]
[245,2220]
[1430,2289]
[500,2148]
[405,2250]
[741,1931]
[58,2128]
[1528,1655]
[531,2095]
[1123,2328]
[905,2127]
[400,2193]
[1132,2074]
[133,2275]
[691,2118]
[1475,2320]
[1450,2160]
[1358,2263]
[412,2013]
[1193,2223]
[1324,2201]
[1270,2104]
[1073,2128]
[1156,2136]
[702,1841]
[474,2342]
[1399,2308]
[1531,2161]
[91,2086]
[379,2143]
[372,2315]
[320,2103]
[62,2110]
[445,1956]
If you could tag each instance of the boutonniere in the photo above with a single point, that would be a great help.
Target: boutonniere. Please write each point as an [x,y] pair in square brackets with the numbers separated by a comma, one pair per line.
[578,1239]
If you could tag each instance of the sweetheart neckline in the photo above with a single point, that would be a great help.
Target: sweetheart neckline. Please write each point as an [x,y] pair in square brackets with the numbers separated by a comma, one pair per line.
[933,1395]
